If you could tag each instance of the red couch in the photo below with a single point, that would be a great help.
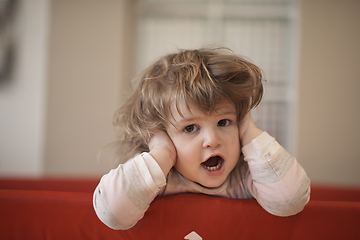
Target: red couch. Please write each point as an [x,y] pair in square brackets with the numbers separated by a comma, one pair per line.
[62,209]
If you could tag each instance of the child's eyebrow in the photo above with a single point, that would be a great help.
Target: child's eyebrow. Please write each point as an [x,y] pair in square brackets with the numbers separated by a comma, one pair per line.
[186,120]
[218,112]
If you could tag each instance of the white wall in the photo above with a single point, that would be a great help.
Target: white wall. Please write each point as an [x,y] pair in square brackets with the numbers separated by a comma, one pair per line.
[56,116]
[22,102]
[329,123]
[87,65]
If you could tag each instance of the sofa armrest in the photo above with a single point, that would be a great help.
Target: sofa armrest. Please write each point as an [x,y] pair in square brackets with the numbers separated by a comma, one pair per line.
[68,215]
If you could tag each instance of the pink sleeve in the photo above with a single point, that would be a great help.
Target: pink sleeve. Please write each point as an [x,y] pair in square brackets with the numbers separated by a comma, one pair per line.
[125,193]
[277,180]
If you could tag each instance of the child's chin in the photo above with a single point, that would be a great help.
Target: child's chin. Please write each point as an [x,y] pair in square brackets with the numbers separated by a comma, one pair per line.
[212,185]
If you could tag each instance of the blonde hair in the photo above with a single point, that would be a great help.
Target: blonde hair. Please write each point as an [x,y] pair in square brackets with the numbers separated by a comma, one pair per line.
[203,77]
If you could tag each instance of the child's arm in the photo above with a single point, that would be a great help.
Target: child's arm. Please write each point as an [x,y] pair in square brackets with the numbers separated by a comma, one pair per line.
[125,193]
[276,179]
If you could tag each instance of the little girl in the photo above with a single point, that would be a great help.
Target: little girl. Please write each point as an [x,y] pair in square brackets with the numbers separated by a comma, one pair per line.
[189,127]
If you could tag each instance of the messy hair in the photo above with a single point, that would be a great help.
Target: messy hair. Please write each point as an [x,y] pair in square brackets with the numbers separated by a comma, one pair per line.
[203,77]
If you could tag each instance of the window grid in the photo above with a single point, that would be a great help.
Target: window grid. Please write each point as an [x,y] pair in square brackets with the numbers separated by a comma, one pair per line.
[267,41]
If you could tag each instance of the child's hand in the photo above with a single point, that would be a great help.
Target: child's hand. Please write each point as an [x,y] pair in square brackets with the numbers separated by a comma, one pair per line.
[162,149]
[248,130]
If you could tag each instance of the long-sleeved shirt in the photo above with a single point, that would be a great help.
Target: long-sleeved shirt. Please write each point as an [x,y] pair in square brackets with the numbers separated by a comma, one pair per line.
[267,173]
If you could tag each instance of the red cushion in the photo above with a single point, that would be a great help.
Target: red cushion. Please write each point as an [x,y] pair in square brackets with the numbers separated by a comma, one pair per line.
[335,193]
[51,184]
[69,215]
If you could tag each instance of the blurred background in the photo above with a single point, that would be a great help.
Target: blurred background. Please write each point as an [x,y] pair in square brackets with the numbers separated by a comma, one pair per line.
[66,65]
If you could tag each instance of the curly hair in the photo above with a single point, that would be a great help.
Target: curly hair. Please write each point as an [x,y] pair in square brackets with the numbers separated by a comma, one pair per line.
[203,77]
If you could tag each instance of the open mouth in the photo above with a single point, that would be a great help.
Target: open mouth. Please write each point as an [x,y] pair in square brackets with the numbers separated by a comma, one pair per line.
[213,163]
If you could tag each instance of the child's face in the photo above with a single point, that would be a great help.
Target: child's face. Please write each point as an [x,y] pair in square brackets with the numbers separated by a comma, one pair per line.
[207,145]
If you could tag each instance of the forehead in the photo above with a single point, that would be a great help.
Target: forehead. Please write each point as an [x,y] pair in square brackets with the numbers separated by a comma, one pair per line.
[181,110]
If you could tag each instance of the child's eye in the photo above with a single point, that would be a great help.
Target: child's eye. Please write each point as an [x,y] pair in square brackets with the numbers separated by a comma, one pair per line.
[223,122]
[190,128]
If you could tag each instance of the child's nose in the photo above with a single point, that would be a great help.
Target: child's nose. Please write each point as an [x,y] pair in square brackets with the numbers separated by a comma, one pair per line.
[211,139]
